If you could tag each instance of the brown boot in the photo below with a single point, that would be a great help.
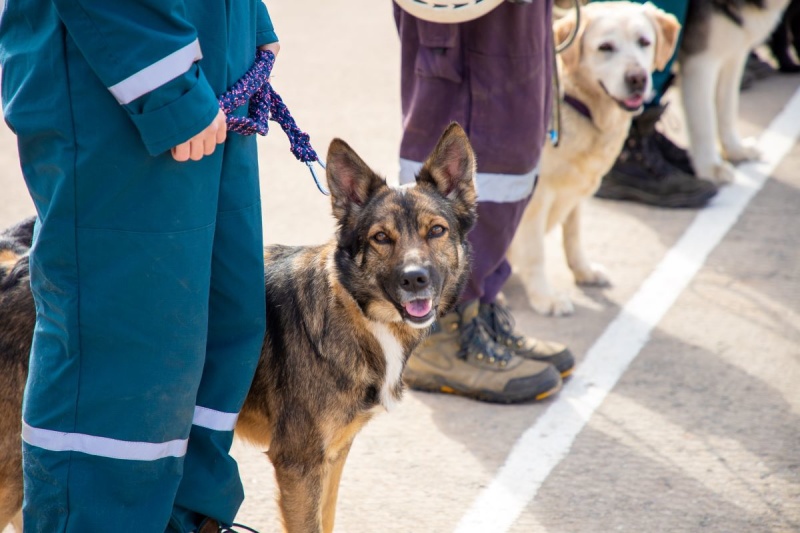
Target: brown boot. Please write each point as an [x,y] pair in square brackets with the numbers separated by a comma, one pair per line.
[460,357]
[501,328]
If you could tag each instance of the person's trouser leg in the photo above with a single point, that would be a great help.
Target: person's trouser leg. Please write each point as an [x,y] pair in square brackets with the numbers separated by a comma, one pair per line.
[491,238]
[116,362]
[211,485]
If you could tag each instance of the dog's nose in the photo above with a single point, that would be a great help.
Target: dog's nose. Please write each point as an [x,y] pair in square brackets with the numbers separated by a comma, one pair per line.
[415,279]
[636,80]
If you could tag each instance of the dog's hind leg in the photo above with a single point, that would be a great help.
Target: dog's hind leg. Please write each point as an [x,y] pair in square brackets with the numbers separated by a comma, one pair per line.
[16,522]
[699,76]
[330,488]
[730,77]
[11,505]
[585,272]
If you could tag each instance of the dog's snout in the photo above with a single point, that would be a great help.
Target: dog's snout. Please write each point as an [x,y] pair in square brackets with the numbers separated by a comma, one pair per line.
[636,80]
[415,279]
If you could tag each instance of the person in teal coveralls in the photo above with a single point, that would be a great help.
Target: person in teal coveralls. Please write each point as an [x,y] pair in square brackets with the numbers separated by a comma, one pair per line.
[147,264]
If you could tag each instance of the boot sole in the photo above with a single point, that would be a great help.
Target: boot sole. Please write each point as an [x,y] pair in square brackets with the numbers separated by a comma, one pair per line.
[441,385]
[613,192]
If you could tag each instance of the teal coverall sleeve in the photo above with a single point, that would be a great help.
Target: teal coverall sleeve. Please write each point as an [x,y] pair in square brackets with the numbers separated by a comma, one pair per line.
[145,52]
[265,32]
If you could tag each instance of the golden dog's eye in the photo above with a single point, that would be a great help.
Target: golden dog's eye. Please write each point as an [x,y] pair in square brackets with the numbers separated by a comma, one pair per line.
[606,47]
[436,231]
[644,42]
[380,238]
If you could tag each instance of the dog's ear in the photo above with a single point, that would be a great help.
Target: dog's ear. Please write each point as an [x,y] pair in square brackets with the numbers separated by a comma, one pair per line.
[563,28]
[667,31]
[350,180]
[451,165]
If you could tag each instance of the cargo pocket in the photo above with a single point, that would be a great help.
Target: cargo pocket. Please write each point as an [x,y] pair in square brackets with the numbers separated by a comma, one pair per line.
[509,102]
[439,54]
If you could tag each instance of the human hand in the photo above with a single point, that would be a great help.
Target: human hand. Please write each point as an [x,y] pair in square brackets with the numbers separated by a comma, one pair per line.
[203,143]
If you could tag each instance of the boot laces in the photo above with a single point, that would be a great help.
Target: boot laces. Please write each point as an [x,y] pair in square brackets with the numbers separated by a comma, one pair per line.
[501,324]
[476,341]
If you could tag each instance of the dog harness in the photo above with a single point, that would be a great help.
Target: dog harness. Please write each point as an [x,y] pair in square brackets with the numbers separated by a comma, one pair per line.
[265,105]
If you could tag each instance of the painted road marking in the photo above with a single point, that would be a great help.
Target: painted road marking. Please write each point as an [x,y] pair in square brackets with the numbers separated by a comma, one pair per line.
[542,447]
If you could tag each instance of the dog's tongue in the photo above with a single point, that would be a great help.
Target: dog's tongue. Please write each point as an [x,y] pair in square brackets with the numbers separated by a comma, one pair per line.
[418,308]
[634,101]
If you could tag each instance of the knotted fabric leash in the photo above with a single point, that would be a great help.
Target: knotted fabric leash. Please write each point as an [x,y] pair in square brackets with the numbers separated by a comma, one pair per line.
[265,105]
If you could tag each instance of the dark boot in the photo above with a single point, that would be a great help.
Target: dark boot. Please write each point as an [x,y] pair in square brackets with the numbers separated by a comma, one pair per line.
[643,174]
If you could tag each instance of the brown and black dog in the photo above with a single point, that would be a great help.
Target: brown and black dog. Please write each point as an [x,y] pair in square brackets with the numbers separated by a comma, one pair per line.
[342,320]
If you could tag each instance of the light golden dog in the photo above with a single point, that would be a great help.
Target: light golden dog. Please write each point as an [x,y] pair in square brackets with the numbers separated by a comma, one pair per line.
[606,79]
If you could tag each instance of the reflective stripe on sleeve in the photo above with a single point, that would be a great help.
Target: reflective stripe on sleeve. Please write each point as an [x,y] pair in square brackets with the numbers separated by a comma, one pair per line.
[216,420]
[58,441]
[162,71]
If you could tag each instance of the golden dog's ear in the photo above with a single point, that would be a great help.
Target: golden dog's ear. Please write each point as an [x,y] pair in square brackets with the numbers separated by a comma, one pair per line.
[667,31]
[562,30]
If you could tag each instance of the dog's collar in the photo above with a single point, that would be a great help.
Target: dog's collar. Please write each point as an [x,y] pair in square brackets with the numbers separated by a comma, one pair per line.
[578,106]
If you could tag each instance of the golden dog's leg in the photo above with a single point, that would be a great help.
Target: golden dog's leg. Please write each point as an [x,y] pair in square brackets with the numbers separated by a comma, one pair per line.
[527,256]
[300,487]
[584,271]
[330,488]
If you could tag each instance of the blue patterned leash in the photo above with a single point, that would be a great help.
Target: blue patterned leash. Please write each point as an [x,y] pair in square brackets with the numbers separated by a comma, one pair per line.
[266,105]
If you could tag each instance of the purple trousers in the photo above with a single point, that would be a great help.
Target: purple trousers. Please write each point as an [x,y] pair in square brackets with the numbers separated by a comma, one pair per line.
[492,75]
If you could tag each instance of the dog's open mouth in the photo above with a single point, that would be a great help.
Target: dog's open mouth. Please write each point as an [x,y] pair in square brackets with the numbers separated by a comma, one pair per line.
[632,103]
[419,310]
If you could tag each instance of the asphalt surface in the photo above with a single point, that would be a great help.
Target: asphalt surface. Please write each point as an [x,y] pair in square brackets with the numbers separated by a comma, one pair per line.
[701,433]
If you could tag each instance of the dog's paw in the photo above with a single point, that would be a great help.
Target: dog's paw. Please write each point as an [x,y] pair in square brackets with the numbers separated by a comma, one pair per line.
[552,304]
[745,150]
[593,275]
[719,173]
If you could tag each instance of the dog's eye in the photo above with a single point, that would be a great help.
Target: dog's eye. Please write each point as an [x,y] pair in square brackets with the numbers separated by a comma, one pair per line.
[436,231]
[644,42]
[380,238]
[606,47]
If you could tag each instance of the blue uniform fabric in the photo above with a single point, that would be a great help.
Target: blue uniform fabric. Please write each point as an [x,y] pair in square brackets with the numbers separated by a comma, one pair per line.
[147,273]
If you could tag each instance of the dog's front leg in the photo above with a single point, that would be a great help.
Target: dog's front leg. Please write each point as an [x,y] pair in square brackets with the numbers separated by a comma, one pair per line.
[300,486]
[585,272]
[527,255]
[730,79]
[699,78]
[330,487]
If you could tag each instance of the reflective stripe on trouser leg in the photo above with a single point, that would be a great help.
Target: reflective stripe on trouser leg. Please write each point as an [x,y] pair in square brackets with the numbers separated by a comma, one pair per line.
[120,272]
[130,387]
[211,485]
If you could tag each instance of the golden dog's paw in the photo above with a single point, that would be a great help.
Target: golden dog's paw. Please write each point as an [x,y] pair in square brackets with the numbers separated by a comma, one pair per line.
[552,304]
[745,150]
[593,275]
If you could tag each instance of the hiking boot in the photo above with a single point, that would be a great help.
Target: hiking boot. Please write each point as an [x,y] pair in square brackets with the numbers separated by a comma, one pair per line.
[460,357]
[501,330]
[642,173]
[674,154]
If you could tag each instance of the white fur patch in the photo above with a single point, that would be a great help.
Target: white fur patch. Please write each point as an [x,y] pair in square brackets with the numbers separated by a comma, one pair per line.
[394,356]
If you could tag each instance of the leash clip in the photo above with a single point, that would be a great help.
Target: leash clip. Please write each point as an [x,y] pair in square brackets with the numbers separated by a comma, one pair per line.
[310,165]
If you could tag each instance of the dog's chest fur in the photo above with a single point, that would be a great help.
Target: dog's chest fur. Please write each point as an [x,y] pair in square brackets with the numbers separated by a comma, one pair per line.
[395,355]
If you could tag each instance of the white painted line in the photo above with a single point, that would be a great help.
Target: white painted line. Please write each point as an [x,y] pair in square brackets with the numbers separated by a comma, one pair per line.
[542,447]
